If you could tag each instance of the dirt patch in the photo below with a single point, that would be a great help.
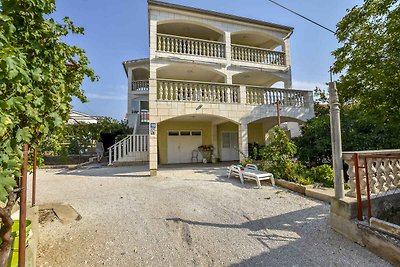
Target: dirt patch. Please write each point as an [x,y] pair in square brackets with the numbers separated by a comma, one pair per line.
[47,215]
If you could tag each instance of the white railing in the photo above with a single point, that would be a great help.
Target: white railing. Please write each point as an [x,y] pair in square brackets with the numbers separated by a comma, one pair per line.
[174,90]
[190,46]
[140,85]
[258,55]
[130,144]
[286,97]
[382,167]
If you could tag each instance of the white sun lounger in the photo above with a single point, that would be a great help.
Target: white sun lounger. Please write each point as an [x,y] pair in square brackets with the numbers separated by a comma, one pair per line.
[250,172]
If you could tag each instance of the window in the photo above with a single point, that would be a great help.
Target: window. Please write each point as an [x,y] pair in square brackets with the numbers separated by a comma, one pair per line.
[185,133]
[196,133]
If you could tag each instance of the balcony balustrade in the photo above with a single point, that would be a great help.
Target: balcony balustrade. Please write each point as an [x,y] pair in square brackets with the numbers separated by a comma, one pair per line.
[195,91]
[269,96]
[258,55]
[140,85]
[380,167]
[190,46]
[171,90]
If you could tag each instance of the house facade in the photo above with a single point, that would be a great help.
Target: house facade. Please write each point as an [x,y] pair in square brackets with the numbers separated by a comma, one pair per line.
[209,87]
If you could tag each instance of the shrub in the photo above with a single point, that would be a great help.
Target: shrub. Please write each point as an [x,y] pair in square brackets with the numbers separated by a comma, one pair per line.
[322,174]
[277,158]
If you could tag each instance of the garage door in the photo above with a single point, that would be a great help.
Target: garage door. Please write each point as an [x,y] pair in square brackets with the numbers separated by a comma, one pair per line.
[181,145]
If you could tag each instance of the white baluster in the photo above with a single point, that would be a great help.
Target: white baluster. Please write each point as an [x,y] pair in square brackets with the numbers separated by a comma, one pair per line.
[352,178]
[390,174]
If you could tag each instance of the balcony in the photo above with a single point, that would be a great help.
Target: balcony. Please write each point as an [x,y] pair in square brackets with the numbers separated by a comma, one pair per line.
[193,91]
[140,86]
[190,46]
[269,96]
[258,55]
[174,90]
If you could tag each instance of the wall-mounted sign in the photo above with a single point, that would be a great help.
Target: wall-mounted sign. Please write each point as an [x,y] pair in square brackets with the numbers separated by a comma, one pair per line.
[153,128]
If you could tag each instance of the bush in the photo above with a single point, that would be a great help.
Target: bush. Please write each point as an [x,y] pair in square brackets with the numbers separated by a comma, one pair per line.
[277,158]
[322,174]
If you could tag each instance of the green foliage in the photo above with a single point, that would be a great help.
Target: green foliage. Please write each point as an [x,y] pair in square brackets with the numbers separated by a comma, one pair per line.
[369,57]
[277,156]
[314,145]
[361,130]
[82,136]
[322,174]
[38,79]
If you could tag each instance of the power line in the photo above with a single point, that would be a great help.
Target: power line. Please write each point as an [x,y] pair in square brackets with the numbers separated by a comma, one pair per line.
[310,20]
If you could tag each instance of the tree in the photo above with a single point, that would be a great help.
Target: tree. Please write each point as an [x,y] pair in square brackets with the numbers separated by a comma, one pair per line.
[39,76]
[369,57]
[361,130]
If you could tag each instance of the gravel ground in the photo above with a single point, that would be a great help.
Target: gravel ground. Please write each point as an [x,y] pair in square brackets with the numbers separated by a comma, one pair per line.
[186,218]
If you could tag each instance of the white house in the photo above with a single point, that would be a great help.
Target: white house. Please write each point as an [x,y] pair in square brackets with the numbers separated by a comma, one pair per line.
[212,80]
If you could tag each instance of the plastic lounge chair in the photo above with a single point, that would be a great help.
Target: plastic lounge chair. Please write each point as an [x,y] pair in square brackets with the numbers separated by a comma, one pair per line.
[251,172]
[235,170]
[251,166]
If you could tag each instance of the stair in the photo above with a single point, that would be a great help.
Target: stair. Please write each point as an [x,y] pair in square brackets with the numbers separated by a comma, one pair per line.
[133,148]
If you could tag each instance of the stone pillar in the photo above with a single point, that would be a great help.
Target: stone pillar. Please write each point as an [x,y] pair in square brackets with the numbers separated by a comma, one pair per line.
[243,142]
[214,139]
[286,49]
[153,151]
[242,92]
[287,83]
[336,139]
[228,48]
[153,37]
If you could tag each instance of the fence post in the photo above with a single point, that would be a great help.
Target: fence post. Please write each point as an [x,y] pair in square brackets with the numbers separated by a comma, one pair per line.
[336,140]
[358,187]
[22,211]
[34,178]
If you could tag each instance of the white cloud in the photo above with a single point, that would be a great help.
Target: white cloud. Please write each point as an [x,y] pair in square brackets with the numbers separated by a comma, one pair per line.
[308,85]
[121,97]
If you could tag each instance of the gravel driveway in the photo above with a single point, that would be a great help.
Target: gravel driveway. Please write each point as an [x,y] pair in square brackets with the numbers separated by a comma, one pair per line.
[186,217]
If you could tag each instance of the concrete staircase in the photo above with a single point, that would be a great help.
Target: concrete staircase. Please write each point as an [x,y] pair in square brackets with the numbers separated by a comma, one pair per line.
[133,148]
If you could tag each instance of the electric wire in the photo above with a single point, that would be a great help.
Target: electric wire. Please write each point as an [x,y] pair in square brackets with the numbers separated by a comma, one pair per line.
[304,17]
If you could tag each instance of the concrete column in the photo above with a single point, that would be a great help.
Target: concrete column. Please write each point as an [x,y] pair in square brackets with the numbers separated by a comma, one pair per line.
[286,49]
[243,99]
[287,83]
[336,139]
[214,139]
[153,151]
[228,48]
[243,142]
[153,37]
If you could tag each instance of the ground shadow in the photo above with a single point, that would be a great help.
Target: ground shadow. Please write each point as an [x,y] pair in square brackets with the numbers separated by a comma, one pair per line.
[312,242]
[97,170]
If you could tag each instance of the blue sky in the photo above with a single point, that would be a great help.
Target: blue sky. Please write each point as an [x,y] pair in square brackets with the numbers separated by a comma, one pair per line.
[116,31]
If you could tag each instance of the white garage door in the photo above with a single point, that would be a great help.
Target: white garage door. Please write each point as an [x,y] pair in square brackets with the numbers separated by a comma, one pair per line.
[181,145]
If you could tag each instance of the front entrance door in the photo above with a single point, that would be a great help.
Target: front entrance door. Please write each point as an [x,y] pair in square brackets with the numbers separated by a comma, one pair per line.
[181,145]
[230,146]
